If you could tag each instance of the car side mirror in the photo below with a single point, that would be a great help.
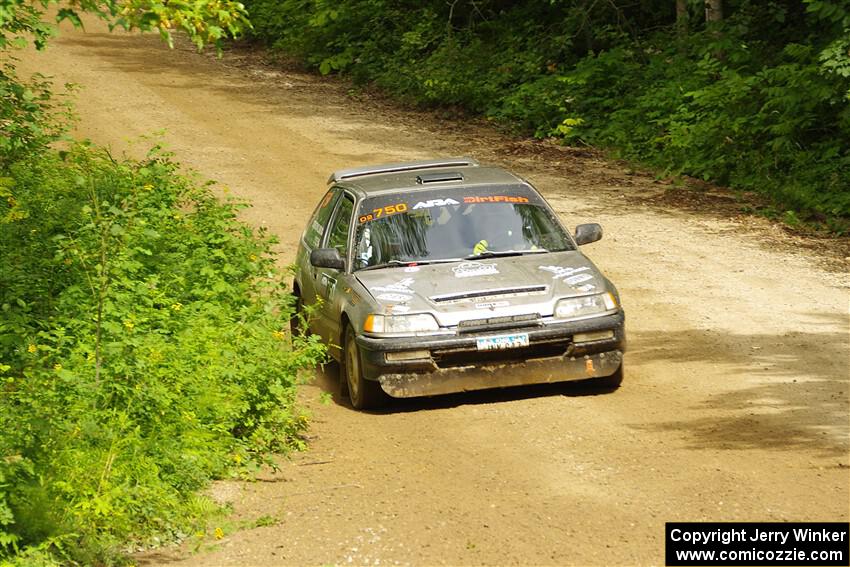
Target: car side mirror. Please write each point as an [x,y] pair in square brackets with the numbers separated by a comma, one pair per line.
[327,258]
[587,233]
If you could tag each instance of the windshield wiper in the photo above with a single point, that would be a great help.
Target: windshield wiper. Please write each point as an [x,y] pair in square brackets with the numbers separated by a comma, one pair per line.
[389,264]
[482,255]
[440,261]
[503,253]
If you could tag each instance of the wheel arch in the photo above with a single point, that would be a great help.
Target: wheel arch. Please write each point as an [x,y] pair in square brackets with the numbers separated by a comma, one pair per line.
[344,322]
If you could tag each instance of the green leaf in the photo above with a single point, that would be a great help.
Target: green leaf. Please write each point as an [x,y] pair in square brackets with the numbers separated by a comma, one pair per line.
[70,15]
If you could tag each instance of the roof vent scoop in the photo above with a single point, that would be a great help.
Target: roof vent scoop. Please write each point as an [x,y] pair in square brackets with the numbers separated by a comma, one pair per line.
[425,178]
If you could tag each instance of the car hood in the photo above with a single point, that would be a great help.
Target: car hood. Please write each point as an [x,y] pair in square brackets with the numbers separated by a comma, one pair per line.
[464,290]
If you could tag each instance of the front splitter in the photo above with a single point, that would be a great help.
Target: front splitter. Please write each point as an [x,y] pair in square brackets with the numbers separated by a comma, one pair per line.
[468,378]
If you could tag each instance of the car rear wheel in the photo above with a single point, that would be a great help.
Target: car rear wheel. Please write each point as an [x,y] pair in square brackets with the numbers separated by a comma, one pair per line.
[364,394]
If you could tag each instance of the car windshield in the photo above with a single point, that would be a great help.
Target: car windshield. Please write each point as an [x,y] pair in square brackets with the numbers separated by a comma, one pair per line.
[450,225]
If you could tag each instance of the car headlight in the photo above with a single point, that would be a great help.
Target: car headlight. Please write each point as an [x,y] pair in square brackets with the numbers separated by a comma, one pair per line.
[401,324]
[586,306]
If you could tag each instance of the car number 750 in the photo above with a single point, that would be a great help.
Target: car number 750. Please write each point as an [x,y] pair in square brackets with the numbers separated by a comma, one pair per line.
[384,212]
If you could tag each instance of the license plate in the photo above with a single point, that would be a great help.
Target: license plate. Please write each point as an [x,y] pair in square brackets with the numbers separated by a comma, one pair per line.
[502,342]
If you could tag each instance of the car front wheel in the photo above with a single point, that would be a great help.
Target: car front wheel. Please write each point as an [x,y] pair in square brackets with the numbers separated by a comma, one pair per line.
[296,319]
[364,394]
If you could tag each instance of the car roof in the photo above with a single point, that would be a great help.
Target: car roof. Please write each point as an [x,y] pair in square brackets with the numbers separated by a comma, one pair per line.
[425,175]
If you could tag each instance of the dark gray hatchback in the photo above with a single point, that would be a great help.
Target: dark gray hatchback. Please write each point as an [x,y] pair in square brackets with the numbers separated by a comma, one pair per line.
[445,276]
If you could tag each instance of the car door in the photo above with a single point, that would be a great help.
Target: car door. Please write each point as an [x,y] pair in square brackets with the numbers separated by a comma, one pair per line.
[328,285]
[312,238]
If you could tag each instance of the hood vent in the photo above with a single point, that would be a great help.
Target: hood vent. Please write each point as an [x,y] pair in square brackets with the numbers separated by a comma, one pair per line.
[525,290]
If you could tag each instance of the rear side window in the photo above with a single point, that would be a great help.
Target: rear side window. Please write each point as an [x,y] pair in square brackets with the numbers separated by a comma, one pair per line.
[316,226]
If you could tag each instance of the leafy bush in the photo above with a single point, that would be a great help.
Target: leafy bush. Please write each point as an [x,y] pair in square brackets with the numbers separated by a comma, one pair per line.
[30,116]
[143,342]
[781,128]
[760,101]
[143,352]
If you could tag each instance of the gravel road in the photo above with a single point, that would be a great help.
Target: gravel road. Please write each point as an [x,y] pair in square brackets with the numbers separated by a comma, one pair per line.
[735,404]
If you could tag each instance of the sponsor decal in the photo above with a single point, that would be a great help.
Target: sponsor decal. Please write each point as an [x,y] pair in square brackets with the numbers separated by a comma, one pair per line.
[474,270]
[571,276]
[577,279]
[317,228]
[393,297]
[492,304]
[562,272]
[402,286]
[329,284]
[435,203]
[411,269]
[495,199]
[396,308]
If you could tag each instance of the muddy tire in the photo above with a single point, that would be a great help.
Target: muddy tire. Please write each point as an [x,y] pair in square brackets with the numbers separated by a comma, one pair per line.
[364,394]
[297,316]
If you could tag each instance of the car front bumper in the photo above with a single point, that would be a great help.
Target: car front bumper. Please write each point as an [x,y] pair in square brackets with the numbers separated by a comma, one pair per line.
[452,363]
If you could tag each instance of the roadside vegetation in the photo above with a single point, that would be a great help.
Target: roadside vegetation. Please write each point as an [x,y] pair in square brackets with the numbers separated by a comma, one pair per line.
[144,344]
[752,95]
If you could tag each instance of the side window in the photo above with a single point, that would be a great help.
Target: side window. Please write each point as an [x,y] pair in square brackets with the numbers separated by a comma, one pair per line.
[316,226]
[338,237]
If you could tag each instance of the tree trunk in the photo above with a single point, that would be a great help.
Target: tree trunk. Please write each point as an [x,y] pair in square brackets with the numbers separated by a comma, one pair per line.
[681,17]
[713,10]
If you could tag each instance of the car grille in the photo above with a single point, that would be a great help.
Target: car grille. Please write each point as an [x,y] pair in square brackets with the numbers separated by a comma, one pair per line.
[499,323]
[451,358]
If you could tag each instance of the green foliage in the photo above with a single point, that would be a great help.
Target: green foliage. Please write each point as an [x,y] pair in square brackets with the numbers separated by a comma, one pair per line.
[760,101]
[30,115]
[781,129]
[143,350]
[204,21]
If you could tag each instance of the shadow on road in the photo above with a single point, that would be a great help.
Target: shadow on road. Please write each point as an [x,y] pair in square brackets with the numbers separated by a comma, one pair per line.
[793,389]
[774,392]
[264,93]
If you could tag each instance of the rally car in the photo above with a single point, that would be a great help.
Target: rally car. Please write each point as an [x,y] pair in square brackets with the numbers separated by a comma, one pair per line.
[443,276]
